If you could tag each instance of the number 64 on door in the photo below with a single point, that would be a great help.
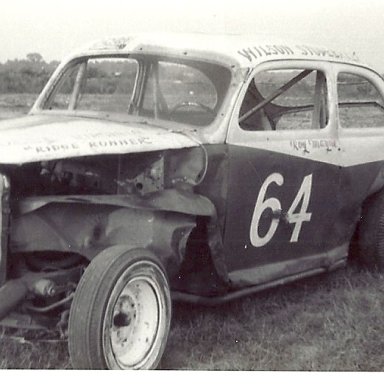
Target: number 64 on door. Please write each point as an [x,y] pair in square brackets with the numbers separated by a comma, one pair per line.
[297,219]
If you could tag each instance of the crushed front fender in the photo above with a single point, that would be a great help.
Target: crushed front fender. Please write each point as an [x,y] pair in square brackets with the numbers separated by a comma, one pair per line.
[88,225]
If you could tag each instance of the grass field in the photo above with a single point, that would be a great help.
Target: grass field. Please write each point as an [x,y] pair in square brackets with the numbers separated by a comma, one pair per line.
[331,322]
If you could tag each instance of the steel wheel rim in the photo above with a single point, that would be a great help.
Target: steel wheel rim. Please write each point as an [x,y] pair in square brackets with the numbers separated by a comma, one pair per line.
[132,323]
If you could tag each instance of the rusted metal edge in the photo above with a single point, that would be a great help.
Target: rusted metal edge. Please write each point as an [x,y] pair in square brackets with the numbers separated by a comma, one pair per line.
[212,301]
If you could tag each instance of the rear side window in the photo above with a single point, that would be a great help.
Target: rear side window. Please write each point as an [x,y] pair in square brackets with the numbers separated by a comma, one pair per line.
[360,103]
[286,99]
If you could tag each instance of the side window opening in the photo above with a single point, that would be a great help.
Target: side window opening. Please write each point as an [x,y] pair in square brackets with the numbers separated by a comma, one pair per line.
[285,99]
[360,103]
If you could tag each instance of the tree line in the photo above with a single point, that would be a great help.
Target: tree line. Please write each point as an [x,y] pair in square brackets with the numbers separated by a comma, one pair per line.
[27,75]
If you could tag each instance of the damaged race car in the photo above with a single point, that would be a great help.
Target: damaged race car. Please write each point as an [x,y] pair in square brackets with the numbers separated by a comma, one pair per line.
[191,168]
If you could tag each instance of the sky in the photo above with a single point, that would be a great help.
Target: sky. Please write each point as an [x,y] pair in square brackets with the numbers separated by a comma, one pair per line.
[54,28]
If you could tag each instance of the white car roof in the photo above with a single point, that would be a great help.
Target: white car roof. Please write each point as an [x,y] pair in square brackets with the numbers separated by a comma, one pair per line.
[245,51]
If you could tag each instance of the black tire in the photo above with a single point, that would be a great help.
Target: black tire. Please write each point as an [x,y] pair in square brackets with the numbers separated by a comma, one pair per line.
[121,312]
[371,233]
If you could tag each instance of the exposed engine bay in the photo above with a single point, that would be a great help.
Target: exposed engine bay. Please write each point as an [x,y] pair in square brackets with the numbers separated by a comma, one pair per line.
[64,212]
[139,174]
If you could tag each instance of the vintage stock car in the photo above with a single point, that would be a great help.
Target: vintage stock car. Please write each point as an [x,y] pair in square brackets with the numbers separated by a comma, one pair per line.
[190,168]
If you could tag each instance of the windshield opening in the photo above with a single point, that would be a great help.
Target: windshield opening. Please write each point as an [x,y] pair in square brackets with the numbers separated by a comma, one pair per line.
[188,92]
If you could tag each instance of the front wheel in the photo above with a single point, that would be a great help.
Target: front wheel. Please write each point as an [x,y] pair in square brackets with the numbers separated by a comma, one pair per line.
[121,313]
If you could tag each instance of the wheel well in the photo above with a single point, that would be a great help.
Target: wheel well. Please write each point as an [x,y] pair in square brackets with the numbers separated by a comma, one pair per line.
[198,273]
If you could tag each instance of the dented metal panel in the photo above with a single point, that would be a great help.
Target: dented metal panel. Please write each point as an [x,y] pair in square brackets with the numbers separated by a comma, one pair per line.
[80,228]
[171,200]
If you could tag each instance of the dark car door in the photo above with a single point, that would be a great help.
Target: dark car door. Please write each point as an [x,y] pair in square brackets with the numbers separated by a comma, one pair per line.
[283,194]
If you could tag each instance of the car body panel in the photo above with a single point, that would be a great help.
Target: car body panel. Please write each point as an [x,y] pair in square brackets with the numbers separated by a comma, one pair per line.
[79,228]
[39,138]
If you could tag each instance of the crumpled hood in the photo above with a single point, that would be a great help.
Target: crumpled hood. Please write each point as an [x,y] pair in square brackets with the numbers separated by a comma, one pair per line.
[48,137]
